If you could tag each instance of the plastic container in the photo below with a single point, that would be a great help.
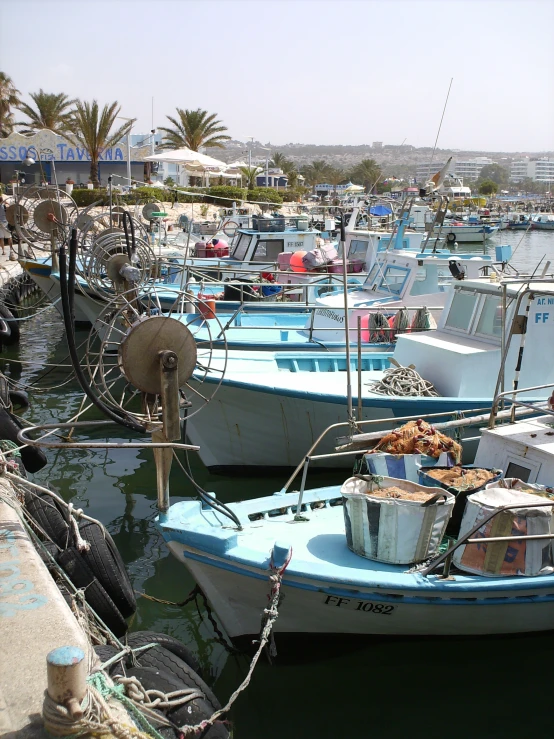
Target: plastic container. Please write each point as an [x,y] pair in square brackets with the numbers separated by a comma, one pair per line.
[302,224]
[497,559]
[461,493]
[394,530]
[203,251]
[206,306]
[283,259]
[265,225]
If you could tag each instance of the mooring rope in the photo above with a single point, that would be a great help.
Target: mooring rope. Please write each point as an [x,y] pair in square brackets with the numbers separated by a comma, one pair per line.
[405,382]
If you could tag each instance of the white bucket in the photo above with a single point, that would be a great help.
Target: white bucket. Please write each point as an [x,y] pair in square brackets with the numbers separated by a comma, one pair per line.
[502,558]
[391,529]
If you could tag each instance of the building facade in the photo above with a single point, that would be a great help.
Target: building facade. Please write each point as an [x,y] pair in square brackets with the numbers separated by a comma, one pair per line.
[57,159]
[538,170]
[466,169]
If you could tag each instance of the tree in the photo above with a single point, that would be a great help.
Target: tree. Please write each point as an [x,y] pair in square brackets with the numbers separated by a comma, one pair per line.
[250,174]
[488,187]
[52,112]
[9,98]
[366,173]
[193,129]
[315,173]
[494,172]
[92,129]
[334,177]
[289,169]
[278,160]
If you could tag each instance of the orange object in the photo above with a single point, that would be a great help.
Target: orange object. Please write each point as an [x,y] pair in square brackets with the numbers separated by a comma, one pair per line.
[296,262]
[206,307]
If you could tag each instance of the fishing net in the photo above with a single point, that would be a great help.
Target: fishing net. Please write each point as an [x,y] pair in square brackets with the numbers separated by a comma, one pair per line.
[419,437]
[378,327]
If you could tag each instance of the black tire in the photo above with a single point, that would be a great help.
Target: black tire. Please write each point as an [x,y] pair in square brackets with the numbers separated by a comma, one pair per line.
[9,327]
[47,551]
[141,638]
[190,713]
[33,458]
[162,659]
[81,576]
[19,398]
[105,652]
[451,237]
[44,510]
[105,562]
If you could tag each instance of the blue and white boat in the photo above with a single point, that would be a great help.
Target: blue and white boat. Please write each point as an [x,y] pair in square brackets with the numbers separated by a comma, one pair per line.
[273,405]
[300,538]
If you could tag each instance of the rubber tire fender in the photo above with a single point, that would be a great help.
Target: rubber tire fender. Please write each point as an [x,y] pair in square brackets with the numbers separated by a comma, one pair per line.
[162,659]
[33,458]
[44,510]
[104,652]
[176,647]
[105,562]
[9,327]
[79,573]
[451,240]
[19,398]
[190,713]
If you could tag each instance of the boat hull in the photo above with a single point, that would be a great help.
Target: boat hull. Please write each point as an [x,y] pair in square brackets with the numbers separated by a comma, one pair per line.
[238,594]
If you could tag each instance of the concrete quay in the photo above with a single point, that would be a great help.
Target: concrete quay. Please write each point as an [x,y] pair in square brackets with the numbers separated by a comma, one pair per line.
[34,619]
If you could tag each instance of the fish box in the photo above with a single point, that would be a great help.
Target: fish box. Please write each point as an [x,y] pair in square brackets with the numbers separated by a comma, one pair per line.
[265,225]
[401,466]
[396,530]
[501,558]
[202,251]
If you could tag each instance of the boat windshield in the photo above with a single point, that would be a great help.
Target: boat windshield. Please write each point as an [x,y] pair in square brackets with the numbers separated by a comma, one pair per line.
[242,246]
[461,310]
[358,249]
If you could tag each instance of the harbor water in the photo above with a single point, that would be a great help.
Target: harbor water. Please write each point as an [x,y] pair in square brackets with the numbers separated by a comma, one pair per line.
[315,687]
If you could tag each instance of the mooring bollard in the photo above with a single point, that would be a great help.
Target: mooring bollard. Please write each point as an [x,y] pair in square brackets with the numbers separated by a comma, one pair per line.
[67,675]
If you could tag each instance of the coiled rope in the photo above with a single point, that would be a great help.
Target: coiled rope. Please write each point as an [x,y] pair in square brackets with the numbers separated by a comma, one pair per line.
[404,382]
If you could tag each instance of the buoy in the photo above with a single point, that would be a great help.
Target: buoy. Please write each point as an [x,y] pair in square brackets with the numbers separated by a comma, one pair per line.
[296,262]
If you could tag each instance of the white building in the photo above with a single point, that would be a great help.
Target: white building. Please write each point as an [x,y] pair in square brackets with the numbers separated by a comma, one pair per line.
[466,169]
[538,170]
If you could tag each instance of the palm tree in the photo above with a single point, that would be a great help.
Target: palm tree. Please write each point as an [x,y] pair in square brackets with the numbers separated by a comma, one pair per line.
[250,174]
[52,112]
[193,129]
[92,130]
[9,98]
[278,160]
[366,173]
[315,173]
[334,177]
[289,168]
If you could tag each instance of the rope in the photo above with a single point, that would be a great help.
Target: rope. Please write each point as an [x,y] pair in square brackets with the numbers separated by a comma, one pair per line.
[270,616]
[74,514]
[404,382]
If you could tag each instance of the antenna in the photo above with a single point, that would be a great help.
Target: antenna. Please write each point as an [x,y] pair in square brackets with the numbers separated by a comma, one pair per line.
[440,124]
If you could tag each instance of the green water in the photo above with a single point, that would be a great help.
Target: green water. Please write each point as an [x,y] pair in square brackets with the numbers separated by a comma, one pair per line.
[488,687]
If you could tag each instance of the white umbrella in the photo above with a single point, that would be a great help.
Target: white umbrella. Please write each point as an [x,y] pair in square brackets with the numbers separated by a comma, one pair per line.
[186,156]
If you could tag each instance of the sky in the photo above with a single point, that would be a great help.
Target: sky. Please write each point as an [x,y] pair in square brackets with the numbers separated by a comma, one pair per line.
[302,71]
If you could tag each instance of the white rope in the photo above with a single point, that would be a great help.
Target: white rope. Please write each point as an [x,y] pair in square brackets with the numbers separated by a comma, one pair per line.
[74,514]
[157,698]
[404,382]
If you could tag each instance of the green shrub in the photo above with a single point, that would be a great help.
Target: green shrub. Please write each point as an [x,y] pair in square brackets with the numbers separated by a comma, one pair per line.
[225,191]
[264,195]
[293,194]
[84,197]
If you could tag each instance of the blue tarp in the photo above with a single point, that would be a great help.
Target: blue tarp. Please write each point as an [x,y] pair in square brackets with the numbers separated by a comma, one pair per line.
[380,210]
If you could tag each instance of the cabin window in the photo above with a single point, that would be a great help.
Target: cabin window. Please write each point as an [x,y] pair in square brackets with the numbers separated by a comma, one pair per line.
[490,320]
[268,251]
[358,249]
[394,279]
[372,276]
[517,470]
[242,246]
[461,310]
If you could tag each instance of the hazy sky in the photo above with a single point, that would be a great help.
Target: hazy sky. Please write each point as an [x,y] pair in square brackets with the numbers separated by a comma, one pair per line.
[308,71]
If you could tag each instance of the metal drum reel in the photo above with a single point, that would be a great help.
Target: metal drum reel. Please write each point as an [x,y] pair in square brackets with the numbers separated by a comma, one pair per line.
[136,342]
[42,214]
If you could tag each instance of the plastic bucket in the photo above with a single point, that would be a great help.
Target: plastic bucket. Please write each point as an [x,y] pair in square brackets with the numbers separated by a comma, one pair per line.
[206,307]
[402,466]
[394,530]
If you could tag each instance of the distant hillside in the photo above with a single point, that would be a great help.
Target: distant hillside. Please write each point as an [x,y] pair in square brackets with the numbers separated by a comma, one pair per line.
[394,160]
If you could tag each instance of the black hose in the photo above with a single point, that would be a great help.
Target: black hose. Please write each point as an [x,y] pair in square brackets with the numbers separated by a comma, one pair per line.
[132,246]
[67,290]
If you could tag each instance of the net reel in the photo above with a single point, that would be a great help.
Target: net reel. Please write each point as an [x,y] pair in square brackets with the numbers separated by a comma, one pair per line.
[42,214]
[90,224]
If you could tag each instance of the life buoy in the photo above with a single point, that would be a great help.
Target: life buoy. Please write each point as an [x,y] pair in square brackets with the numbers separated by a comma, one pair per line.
[230,228]
[451,237]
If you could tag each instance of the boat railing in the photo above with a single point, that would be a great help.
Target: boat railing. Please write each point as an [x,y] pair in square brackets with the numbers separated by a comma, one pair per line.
[361,442]
[515,402]
[467,538]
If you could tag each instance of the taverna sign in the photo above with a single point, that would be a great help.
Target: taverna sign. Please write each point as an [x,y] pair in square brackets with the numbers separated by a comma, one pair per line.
[50,146]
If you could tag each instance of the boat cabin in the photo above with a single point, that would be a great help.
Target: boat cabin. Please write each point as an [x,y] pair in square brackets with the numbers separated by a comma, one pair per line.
[462,356]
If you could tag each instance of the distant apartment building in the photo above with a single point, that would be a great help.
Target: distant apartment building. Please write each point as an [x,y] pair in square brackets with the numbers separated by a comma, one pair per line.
[377,145]
[467,169]
[538,170]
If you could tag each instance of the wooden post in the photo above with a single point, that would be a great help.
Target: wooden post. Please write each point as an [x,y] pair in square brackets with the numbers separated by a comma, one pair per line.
[67,675]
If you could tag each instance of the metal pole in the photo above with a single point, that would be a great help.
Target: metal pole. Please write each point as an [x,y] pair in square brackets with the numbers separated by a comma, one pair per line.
[359,415]
[346,330]
[129,157]
[267,170]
